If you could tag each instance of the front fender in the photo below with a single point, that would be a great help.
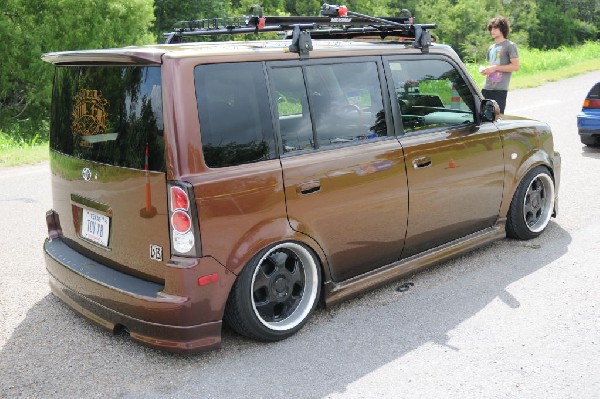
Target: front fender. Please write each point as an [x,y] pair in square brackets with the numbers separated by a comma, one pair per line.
[526,144]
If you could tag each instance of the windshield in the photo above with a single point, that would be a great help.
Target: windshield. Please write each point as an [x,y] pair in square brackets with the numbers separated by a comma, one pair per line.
[109,114]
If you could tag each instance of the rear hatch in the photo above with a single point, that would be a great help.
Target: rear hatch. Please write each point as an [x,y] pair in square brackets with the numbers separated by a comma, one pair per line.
[108,165]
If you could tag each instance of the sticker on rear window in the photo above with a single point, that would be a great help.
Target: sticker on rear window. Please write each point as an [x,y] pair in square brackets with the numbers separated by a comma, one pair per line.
[90,117]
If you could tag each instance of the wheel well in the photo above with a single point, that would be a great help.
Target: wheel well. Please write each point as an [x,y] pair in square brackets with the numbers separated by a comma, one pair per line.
[524,174]
[529,212]
[315,254]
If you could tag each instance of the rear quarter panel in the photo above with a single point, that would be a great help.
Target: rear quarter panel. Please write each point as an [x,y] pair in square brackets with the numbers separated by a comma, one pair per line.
[241,209]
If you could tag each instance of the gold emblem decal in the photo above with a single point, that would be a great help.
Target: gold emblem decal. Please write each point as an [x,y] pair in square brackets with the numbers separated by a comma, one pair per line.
[89,115]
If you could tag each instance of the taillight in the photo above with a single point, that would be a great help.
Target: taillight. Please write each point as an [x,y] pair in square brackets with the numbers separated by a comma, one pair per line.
[591,103]
[179,199]
[183,220]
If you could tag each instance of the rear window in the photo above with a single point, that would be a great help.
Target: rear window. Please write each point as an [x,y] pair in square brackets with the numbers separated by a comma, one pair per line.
[109,114]
[595,92]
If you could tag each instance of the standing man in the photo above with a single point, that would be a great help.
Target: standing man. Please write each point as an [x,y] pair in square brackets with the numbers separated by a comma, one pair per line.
[503,59]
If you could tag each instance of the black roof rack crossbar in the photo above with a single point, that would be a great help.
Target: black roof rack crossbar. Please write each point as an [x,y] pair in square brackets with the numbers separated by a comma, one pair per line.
[336,22]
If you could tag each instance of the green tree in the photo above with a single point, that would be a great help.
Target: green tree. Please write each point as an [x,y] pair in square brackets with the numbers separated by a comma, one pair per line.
[168,12]
[307,7]
[461,24]
[270,7]
[587,10]
[565,23]
[30,28]
[395,6]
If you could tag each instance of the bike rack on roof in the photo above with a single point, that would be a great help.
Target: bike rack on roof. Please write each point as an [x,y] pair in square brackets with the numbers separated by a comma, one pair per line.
[336,22]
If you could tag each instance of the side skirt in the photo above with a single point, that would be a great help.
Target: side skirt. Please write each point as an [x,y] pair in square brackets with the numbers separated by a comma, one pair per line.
[337,292]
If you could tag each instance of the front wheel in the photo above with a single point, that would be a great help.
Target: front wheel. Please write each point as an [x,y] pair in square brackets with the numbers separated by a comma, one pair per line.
[276,293]
[532,205]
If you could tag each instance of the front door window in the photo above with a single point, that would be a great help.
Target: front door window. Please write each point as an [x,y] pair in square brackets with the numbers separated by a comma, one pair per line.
[431,94]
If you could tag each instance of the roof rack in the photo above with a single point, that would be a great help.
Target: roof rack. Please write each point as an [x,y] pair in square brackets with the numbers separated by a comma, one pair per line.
[336,22]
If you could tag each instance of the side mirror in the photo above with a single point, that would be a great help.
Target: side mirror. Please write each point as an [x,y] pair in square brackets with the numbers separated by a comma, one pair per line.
[490,111]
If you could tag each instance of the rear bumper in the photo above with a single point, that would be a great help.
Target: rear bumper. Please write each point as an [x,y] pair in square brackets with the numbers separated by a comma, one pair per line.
[588,123]
[179,316]
[589,132]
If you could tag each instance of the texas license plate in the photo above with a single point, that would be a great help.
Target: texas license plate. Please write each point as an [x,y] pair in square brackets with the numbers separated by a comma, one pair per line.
[95,227]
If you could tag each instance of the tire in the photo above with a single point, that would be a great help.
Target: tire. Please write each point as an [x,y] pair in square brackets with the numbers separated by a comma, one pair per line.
[276,293]
[532,205]
[590,141]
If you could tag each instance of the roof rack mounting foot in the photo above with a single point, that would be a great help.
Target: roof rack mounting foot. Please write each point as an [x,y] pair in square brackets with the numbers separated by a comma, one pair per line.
[422,39]
[301,42]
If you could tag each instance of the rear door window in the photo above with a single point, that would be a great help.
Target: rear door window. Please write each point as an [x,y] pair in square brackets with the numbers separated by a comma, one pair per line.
[109,114]
[235,118]
[328,104]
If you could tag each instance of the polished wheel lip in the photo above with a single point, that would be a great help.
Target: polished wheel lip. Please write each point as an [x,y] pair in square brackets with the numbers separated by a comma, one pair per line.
[309,293]
[539,198]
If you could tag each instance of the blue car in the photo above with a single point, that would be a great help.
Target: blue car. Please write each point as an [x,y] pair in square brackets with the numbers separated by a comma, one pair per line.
[588,120]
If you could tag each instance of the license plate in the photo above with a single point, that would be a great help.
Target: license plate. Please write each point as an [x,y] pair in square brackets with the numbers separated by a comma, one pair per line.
[95,227]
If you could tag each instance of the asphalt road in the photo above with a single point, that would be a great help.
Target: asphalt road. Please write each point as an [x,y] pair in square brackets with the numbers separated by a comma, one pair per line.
[514,319]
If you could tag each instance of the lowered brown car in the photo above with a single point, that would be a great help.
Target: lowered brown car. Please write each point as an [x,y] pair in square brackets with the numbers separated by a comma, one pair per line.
[249,181]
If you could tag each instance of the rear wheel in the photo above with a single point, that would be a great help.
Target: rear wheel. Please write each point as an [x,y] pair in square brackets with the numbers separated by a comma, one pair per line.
[276,293]
[532,205]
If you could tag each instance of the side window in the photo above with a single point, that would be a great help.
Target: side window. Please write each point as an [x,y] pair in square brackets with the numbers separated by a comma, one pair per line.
[345,102]
[431,93]
[233,107]
[325,105]
[292,106]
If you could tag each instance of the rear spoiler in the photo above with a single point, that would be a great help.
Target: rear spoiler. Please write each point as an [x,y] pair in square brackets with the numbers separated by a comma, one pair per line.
[110,56]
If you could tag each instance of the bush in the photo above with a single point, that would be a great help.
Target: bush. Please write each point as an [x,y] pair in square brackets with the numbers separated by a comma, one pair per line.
[24,134]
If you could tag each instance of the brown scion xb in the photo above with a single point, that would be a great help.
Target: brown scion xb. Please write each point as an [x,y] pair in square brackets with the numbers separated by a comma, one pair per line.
[248,181]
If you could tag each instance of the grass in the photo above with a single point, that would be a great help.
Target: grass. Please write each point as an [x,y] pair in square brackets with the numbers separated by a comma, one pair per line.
[24,155]
[15,150]
[537,67]
[538,79]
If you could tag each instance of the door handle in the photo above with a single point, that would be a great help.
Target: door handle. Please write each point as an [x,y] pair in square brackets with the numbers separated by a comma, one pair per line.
[309,187]
[423,162]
